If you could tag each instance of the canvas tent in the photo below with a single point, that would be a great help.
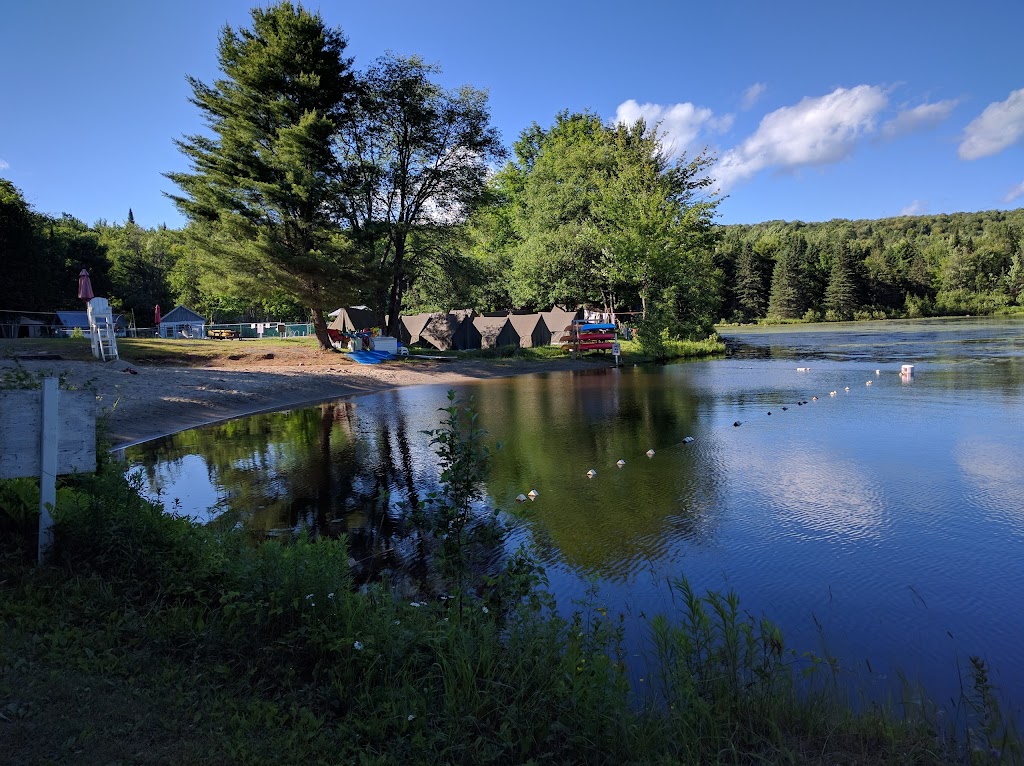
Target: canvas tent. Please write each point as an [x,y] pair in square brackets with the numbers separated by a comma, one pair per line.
[496,331]
[439,331]
[353,318]
[410,328]
[182,322]
[532,330]
[557,320]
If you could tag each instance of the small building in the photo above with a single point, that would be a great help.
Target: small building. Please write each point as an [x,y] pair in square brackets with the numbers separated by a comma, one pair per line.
[532,330]
[14,325]
[66,322]
[182,322]
[496,332]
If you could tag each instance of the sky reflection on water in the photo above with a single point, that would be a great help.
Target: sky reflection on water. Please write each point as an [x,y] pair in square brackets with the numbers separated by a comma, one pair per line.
[890,513]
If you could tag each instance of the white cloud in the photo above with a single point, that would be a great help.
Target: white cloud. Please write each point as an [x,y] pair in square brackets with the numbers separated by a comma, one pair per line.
[1015,193]
[817,131]
[679,124]
[917,207]
[999,127]
[3,165]
[919,118]
[752,94]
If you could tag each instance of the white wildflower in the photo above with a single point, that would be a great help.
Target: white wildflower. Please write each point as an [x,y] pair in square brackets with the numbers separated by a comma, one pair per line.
[358,645]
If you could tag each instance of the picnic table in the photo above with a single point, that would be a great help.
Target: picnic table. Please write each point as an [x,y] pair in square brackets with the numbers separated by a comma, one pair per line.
[222,334]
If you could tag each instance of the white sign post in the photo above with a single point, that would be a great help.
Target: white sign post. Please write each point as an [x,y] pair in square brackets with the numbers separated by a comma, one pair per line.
[616,351]
[47,433]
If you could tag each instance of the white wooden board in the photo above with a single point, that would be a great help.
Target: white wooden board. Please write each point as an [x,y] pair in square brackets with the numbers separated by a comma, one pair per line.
[20,426]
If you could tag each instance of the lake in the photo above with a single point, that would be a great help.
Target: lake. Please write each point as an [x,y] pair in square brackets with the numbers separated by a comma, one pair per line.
[883,523]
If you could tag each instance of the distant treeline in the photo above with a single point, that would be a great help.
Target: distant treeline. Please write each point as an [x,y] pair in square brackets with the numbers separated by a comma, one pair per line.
[911,266]
[41,256]
[964,263]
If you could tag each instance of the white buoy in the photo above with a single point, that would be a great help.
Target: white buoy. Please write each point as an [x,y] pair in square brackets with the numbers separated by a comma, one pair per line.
[687,439]
[868,382]
[520,498]
[832,393]
[620,462]
[878,372]
[803,369]
[533,494]
[650,453]
[907,371]
[591,473]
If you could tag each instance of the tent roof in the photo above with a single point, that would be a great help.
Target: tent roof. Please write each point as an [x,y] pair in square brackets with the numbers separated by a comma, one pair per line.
[415,324]
[355,317]
[525,324]
[440,330]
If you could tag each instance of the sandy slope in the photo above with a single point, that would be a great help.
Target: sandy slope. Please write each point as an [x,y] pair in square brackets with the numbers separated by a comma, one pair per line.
[141,402]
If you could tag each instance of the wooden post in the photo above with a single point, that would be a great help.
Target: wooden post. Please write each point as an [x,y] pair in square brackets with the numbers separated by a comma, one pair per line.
[48,436]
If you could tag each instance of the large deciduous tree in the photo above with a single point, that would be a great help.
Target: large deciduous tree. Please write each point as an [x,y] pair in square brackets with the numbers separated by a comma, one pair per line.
[416,158]
[601,215]
[264,186]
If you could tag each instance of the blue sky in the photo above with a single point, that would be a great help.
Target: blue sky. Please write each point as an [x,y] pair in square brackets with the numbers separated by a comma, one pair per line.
[815,110]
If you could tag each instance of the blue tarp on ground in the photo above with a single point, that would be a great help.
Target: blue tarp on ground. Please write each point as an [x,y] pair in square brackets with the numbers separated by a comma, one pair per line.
[370,357]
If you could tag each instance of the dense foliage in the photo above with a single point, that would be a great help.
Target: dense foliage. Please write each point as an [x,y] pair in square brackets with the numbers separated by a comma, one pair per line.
[940,265]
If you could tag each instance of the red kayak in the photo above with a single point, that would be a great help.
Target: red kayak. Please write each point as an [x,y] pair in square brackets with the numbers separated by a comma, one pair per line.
[586,346]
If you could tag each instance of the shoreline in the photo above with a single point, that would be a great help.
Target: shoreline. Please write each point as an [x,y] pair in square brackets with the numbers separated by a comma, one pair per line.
[137,403]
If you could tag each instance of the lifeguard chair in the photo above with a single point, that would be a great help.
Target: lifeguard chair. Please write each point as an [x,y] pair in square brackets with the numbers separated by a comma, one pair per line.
[101,329]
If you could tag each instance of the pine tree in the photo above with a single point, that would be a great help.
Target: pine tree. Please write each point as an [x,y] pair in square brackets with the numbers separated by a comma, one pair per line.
[265,189]
[751,292]
[786,298]
[842,296]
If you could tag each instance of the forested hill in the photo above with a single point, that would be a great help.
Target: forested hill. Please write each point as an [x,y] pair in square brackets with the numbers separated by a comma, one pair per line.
[962,263]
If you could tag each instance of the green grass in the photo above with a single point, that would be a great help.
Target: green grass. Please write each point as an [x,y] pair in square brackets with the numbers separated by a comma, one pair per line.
[158,350]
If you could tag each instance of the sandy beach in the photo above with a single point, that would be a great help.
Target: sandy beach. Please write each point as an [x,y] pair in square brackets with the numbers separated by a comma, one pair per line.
[141,402]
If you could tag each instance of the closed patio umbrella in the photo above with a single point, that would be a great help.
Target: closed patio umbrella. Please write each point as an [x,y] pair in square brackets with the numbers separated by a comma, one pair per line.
[156,315]
[85,286]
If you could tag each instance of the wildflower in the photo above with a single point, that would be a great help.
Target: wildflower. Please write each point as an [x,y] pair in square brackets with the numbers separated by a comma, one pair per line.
[309,597]
[411,716]
[358,645]
[398,622]
[418,603]
[330,595]
[485,610]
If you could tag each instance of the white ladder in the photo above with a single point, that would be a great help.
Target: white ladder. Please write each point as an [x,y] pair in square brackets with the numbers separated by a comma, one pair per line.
[101,327]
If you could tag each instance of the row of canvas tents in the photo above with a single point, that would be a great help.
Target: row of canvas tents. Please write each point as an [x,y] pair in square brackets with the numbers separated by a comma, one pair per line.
[464,329]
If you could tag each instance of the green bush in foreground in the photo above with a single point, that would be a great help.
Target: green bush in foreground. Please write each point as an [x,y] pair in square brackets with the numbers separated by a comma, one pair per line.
[153,639]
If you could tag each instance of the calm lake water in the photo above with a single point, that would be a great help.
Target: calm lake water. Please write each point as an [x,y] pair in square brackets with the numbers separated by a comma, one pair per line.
[890,514]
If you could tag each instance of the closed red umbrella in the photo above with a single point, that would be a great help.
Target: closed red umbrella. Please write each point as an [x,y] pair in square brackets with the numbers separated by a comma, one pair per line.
[85,286]
[156,315]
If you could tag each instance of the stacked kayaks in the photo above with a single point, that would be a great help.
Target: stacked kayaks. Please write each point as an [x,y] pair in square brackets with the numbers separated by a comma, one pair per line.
[589,336]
